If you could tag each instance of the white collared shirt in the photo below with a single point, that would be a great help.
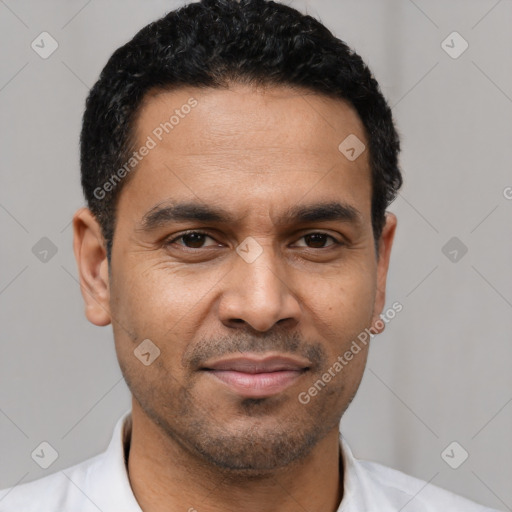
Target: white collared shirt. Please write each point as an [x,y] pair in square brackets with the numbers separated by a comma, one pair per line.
[101,483]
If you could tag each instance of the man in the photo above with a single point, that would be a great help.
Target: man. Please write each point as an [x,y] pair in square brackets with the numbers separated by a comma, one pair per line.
[237,160]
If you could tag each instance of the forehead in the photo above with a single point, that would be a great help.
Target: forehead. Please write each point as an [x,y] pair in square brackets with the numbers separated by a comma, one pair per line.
[287,117]
[246,147]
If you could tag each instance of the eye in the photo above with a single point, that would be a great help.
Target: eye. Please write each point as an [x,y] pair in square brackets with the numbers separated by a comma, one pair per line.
[191,239]
[318,240]
[196,240]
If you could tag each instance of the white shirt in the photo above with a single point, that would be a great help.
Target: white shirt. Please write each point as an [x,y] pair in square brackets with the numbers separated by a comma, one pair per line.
[101,484]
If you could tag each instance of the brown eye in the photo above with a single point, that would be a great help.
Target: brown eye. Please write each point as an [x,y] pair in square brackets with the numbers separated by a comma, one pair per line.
[318,240]
[191,240]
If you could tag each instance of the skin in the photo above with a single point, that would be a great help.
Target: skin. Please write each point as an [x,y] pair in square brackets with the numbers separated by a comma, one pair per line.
[197,444]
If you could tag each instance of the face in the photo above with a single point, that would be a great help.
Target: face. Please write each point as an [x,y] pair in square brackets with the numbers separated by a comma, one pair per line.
[244,252]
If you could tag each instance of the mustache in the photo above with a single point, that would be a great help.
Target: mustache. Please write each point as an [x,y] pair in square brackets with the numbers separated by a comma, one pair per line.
[287,343]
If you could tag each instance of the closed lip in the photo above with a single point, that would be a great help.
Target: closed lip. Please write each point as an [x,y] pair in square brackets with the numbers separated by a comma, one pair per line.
[258,364]
[257,376]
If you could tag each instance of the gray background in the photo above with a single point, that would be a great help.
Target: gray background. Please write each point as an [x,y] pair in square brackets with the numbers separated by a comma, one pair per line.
[439,373]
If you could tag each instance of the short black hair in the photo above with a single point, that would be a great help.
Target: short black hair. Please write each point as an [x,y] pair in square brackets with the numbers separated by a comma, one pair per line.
[211,44]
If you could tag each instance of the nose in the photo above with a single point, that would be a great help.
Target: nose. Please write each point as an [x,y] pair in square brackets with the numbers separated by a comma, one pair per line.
[259,294]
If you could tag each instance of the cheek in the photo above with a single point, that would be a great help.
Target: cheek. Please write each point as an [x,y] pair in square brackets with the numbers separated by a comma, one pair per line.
[162,303]
[344,302]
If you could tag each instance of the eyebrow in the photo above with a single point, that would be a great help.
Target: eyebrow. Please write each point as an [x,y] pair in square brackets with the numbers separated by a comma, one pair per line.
[163,214]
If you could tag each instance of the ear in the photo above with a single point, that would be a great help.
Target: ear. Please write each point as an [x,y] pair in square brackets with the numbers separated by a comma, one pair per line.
[384,253]
[91,258]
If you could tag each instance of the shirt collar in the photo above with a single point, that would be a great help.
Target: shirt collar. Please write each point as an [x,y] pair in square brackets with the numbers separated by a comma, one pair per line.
[110,480]
[361,490]
[358,494]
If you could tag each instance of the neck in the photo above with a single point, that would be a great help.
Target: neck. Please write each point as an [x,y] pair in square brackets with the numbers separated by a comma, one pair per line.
[166,476]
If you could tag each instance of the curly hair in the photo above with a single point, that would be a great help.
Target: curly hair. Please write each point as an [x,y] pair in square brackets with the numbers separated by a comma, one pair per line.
[211,44]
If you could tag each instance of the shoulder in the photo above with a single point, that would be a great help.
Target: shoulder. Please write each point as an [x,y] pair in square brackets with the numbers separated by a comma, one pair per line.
[53,492]
[98,483]
[415,494]
[373,487]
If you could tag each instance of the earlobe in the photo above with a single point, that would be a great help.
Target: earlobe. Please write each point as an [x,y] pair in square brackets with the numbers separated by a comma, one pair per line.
[91,258]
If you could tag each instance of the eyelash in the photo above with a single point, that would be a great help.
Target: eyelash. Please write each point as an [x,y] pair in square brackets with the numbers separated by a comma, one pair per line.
[173,240]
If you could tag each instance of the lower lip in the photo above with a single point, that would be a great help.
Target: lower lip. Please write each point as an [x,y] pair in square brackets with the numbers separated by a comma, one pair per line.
[257,385]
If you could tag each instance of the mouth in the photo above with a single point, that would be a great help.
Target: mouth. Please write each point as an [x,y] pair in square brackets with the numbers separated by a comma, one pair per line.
[255,376]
